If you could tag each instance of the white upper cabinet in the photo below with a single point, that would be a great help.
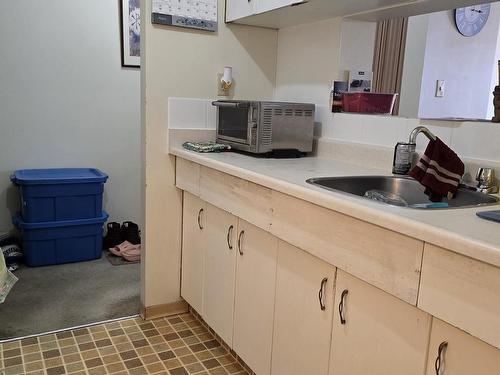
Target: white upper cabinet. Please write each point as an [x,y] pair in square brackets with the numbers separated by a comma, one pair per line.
[262,6]
[282,13]
[237,9]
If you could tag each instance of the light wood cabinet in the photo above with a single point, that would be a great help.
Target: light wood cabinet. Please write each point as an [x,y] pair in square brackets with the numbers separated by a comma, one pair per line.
[303,313]
[220,271]
[376,333]
[193,251]
[389,260]
[462,354]
[254,298]
[461,291]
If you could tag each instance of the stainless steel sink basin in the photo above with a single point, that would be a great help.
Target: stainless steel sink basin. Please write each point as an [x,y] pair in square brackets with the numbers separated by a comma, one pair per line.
[400,191]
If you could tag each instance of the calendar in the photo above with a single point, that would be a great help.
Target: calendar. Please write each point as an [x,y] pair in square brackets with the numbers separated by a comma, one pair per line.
[197,14]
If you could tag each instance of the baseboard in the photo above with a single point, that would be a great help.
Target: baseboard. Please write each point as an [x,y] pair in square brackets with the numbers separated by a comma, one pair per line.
[166,309]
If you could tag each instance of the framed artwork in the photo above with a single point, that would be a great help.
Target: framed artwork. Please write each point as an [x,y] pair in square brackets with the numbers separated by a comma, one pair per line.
[130,26]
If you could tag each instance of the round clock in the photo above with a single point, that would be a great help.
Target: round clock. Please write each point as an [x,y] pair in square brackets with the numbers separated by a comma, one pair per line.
[471,20]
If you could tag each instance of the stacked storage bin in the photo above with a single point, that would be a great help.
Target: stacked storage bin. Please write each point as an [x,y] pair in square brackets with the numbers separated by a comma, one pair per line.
[61,218]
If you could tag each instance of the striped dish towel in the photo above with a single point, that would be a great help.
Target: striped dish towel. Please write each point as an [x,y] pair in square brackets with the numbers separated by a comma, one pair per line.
[439,170]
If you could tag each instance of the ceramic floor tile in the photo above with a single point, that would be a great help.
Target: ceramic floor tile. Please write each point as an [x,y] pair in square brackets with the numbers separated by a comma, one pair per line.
[176,345]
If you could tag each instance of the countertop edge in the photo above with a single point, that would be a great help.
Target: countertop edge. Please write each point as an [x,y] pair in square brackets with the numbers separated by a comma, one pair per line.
[453,241]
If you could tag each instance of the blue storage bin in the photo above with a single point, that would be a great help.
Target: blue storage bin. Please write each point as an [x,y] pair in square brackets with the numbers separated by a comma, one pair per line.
[59,242]
[60,194]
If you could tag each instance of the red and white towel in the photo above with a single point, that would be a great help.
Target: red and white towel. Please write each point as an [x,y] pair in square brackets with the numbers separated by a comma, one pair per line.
[440,170]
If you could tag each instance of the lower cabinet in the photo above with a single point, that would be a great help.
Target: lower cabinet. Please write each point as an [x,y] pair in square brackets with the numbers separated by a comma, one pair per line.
[376,333]
[454,352]
[193,250]
[220,272]
[286,312]
[303,313]
[254,298]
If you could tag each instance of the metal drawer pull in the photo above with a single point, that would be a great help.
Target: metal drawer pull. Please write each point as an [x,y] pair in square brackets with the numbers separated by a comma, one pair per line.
[320,294]
[229,232]
[200,212]
[341,306]
[240,242]
[440,357]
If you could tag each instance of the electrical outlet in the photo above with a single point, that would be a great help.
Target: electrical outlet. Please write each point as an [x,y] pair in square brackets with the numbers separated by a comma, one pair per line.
[440,88]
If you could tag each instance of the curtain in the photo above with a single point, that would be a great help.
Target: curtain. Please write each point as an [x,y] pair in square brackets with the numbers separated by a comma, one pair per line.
[389,54]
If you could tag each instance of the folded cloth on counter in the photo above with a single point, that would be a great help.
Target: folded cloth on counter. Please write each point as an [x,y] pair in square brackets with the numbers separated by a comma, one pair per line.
[439,170]
[206,146]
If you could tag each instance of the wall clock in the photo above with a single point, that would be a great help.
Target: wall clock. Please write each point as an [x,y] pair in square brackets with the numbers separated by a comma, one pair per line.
[471,20]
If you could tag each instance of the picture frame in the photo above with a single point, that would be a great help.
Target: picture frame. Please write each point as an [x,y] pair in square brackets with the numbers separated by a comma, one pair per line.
[130,28]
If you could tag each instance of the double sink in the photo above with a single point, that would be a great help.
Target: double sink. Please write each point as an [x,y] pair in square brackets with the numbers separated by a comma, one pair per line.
[401,191]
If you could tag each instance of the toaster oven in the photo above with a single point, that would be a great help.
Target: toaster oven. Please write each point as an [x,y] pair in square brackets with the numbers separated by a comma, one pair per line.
[263,127]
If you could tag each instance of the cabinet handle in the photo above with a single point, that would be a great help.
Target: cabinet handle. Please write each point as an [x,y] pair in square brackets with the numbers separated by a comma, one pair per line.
[229,232]
[341,306]
[240,237]
[320,294]
[200,212]
[440,357]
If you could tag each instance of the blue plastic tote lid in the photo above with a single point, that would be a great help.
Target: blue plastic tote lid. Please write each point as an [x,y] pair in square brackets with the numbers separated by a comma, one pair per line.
[57,176]
[20,224]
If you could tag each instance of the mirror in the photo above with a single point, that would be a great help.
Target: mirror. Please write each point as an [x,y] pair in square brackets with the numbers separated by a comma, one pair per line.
[443,65]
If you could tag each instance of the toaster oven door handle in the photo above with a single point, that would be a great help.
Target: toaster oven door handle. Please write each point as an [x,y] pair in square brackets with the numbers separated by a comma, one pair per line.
[230,104]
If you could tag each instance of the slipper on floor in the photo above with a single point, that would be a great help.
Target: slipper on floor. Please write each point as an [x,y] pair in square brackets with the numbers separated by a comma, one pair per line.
[132,253]
[119,249]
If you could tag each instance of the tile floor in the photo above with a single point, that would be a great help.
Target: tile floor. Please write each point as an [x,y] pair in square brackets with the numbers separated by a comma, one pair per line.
[176,345]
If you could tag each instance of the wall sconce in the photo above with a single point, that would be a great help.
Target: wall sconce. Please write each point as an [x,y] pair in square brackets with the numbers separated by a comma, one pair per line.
[225,81]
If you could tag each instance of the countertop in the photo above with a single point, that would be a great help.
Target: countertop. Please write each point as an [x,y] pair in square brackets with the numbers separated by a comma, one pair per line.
[458,230]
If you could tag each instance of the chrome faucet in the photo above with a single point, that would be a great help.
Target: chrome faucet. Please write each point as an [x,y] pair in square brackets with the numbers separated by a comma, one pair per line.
[486,182]
[404,152]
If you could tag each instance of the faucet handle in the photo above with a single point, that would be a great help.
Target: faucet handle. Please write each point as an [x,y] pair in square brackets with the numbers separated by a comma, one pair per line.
[485,177]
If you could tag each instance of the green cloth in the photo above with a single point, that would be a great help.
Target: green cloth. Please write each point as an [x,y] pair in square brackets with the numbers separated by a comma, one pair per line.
[206,146]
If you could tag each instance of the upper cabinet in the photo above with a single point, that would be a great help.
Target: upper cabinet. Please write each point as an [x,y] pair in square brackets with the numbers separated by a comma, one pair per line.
[277,14]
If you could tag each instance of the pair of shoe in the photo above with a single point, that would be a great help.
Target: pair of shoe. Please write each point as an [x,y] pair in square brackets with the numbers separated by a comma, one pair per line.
[128,251]
[117,234]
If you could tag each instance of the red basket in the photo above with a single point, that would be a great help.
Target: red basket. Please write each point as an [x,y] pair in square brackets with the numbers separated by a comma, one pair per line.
[368,102]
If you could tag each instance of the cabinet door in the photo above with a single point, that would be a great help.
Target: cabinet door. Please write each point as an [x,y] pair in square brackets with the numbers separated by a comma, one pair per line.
[236,9]
[193,251]
[303,313]
[254,299]
[376,333]
[220,268]
[267,5]
[462,354]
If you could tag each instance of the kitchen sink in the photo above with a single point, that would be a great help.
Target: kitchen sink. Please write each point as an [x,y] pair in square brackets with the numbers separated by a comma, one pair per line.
[401,191]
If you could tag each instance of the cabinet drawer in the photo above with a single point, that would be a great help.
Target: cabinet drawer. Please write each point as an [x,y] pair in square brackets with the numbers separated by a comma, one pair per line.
[242,198]
[187,176]
[383,258]
[461,291]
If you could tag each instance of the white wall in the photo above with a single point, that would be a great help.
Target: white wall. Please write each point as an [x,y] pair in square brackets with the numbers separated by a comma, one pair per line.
[357,46]
[184,63]
[465,64]
[65,101]
[413,67]
[308,61]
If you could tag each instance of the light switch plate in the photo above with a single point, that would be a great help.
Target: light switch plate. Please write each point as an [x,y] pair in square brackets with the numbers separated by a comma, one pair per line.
[440,88]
